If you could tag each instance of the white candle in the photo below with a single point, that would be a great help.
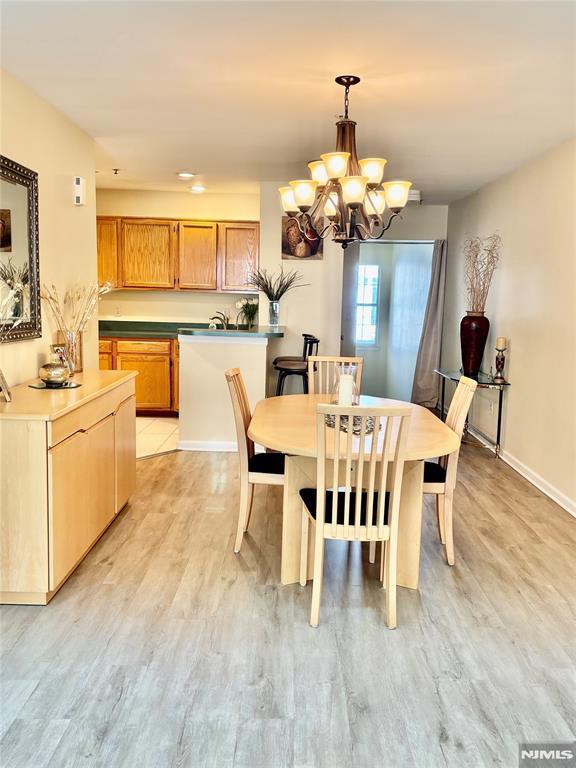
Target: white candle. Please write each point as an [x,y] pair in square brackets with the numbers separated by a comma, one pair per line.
[345,389]
[501,342]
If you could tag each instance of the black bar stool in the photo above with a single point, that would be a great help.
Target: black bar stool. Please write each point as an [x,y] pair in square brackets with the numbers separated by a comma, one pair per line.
[297,366]
[279,360]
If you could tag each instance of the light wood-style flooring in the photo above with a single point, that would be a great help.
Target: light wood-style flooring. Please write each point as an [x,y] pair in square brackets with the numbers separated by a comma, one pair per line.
[165,649]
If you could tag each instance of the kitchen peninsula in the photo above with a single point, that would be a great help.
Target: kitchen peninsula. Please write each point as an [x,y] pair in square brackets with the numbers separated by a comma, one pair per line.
[206,419]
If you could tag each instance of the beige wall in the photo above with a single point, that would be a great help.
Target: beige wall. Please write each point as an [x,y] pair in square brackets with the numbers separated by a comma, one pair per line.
[162,305]
[39,137]
[533,303]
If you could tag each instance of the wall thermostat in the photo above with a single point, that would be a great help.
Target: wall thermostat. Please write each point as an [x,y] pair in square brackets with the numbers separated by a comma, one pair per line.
[79,190]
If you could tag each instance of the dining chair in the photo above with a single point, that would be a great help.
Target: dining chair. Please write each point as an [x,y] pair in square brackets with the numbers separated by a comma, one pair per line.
[255,468]
[296,367]
[358,487]
[440,478]
[322,372]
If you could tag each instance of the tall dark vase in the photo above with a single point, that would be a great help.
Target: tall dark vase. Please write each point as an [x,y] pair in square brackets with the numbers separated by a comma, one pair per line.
[474,329]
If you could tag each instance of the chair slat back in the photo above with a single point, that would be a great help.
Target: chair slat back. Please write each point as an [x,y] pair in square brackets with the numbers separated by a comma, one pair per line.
[460,405]
[323,372]
[310,346]
[242,415]
[372,463]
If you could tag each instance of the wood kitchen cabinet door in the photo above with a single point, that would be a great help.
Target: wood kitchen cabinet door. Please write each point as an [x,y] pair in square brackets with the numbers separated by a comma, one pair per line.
[238,246]
[107,244]
[197,256]
[147,253]
[153,385]
[82,495]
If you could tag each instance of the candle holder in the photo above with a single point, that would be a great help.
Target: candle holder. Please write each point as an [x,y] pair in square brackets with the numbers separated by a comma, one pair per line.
[500,360]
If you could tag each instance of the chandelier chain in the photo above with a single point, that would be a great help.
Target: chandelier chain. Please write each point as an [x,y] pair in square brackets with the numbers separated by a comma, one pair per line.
[346,101]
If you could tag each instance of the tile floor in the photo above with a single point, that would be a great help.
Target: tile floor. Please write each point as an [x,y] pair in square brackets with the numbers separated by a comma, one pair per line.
[155,435]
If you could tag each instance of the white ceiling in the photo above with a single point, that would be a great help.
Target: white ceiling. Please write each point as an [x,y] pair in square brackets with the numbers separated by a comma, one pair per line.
[454,94]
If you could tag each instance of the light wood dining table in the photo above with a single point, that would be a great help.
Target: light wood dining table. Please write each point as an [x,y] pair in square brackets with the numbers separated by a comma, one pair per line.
[288,424]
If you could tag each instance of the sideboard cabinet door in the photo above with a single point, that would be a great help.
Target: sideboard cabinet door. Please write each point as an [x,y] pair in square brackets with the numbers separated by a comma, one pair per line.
[82,495]
[125,444]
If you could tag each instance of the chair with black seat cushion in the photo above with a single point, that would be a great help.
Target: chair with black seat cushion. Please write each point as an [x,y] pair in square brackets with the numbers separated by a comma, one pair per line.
[298,366]
[440,478]
[255,468]
[358,488]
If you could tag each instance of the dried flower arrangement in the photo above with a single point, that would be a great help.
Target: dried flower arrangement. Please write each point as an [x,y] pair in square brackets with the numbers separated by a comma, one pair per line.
[16,278]
[74,312]
[481,255]
[7,323]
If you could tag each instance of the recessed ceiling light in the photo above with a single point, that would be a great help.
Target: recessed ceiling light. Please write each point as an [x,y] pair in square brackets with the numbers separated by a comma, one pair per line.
[186,175]
[197,189]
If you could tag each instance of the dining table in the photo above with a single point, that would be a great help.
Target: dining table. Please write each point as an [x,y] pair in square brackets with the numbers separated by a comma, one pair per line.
[288,424]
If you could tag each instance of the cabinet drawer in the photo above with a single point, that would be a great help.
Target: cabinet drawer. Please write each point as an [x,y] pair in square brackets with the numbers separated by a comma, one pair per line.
[159,347]
[105,345]
[81,419]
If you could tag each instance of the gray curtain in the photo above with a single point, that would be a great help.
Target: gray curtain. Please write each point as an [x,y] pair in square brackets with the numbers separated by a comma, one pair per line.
[425,386]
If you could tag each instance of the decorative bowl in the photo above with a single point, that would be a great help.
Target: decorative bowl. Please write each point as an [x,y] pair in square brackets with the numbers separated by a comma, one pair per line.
[54,375]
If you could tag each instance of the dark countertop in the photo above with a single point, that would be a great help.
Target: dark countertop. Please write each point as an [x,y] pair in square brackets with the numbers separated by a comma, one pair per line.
[144,329]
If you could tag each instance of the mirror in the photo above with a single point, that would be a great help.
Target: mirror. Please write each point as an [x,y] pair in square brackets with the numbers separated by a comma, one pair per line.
[19,262]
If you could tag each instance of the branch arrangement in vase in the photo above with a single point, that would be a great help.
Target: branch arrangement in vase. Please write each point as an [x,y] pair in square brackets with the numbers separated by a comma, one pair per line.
[481,255]
[77,307]
[16,280]
[275,287]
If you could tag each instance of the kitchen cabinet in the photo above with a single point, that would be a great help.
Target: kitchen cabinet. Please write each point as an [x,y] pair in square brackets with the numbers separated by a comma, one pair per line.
[152,359]
[238,246]
[107,245]
[105,355]
[68,466]
[197,255]
[147,253]
[163,254]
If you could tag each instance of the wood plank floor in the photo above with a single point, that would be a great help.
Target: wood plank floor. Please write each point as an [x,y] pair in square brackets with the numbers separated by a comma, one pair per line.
[165,649]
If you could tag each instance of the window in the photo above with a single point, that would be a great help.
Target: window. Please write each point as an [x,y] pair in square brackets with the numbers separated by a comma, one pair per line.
[367,304]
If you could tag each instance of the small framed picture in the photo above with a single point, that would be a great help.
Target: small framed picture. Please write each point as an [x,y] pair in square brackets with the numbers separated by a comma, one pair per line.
[295,245]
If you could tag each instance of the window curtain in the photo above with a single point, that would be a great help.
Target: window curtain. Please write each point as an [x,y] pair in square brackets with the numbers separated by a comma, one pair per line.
[425,386]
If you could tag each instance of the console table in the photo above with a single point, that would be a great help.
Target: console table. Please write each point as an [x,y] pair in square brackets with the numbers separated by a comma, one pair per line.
[485,381]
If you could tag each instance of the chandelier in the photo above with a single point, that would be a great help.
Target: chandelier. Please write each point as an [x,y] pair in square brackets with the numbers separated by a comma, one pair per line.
[346,191]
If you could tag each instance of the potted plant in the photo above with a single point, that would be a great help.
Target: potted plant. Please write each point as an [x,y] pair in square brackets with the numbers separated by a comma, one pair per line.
[248,311]
[481,256]
[274,288]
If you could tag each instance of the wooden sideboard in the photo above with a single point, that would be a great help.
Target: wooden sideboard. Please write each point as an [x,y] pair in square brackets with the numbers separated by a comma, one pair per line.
[68,461]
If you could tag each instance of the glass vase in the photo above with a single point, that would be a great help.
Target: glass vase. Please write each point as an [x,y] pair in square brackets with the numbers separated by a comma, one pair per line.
[274,313]
[73,342]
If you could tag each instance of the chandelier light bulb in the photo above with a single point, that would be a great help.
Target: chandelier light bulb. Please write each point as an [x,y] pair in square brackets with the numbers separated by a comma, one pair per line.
[336,163]
[353,190]
[396,193]
[373,169]
[304,193]
[318,172]
[375,202]
[288,201]
[331,206]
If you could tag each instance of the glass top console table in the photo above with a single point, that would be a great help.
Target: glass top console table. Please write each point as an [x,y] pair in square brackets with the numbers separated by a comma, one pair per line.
[485,381]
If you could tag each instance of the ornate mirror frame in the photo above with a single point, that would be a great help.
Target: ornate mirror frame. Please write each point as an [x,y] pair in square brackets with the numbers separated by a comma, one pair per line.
[15,173]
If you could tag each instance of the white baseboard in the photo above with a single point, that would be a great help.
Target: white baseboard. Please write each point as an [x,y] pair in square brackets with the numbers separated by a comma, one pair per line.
[533,477]
[215,447]
[207,445]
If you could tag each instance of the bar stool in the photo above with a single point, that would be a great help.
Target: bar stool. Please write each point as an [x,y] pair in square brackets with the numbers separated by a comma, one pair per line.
[297,366]
[282,358]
